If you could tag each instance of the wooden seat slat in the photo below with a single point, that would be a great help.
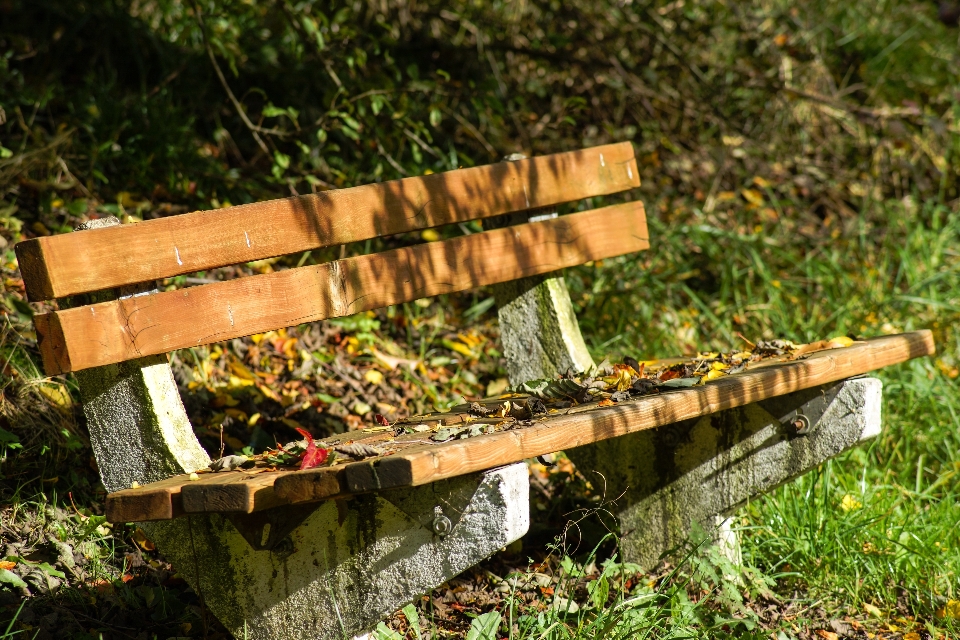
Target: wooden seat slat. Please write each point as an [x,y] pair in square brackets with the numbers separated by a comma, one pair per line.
[133,327]
[68,264]
[420,464]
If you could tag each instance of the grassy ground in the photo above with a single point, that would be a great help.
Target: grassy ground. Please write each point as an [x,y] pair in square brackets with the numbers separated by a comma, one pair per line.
[800,175]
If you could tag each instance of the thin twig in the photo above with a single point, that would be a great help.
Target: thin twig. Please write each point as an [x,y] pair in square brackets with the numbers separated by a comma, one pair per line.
[254,129]
[472,129]
[423,145]
[389,158]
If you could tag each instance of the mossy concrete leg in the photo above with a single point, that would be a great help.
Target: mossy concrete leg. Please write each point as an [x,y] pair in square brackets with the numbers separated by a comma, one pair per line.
[538,329]
[138,427]
[699,471]
[347,565]
[350,563]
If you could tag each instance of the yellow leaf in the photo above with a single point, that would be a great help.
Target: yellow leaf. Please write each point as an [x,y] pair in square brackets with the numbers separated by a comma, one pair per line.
[240,370]
[752,196]
[6,564]
[719,366]
[760,182]
[236,443]
[373,376]
[950,610]
[268,392]
[713,374]
[497,387]
[849,503]
[142,541]
[253,419]
[840,341]
[911,636]
[235,383]
[56,394]
[430,235]
[225,400]
[872,610]
[621,380]
[459,347]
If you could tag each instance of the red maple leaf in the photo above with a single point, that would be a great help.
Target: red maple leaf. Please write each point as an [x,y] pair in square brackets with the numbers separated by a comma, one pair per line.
[314,455]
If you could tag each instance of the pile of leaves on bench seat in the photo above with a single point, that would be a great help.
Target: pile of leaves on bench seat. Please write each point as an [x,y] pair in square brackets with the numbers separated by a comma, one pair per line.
[605,385]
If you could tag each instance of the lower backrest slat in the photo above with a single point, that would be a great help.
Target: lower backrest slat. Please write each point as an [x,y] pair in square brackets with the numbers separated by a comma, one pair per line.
[118,330]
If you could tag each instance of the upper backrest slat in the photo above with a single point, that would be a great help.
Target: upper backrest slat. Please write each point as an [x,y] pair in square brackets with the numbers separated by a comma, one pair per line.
[68,264]
[137,326]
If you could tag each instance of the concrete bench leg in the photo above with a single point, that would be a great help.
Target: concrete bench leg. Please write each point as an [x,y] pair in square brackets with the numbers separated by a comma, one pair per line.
[344,565]
[700,471]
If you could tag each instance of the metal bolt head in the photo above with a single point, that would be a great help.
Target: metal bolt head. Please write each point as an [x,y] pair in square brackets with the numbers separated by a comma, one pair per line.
[801,423]
[442,525]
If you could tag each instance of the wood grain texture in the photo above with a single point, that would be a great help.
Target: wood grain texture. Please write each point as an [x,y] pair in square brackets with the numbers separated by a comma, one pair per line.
[63,265]
[133,327]
[421,464]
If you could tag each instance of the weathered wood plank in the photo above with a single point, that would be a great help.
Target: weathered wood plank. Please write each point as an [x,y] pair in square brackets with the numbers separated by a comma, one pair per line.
[68,264]
[118,330]
[427,463]
[421,464]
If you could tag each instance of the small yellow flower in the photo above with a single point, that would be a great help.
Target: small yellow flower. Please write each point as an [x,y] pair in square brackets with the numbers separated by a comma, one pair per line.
[849,503]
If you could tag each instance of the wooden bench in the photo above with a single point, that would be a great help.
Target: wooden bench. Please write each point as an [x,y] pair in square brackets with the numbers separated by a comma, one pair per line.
[329,551]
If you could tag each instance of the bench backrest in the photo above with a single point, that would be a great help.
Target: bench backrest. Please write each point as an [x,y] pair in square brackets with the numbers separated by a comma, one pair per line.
[141,325]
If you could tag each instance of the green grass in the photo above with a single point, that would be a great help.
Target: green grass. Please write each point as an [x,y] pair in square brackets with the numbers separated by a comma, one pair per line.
[880,525]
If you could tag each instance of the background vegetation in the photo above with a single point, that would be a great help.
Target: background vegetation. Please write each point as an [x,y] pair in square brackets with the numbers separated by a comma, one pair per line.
[799,167]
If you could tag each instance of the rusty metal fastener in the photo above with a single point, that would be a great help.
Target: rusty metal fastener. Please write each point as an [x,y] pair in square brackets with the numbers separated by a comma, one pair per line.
[801,423]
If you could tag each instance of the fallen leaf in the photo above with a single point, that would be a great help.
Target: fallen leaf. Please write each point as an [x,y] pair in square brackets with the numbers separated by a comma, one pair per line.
[314,455]
[6,564]
[827,635]
[713,374]
[606,403]
[872,610]
[141,539]
[373,376]
[392,362]
[950,610]
[56,394]
[680,383]
[752,196]
[383,422]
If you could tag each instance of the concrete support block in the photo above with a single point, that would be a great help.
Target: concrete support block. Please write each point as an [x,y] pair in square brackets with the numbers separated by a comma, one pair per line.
[700,471]
[351,563]
[539,331]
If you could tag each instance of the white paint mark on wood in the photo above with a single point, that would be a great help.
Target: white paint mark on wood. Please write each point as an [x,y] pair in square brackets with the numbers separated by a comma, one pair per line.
[526,197]
[177,252]
[338,289]
[230,314]
[248,237]
[602,163]
[629,172]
